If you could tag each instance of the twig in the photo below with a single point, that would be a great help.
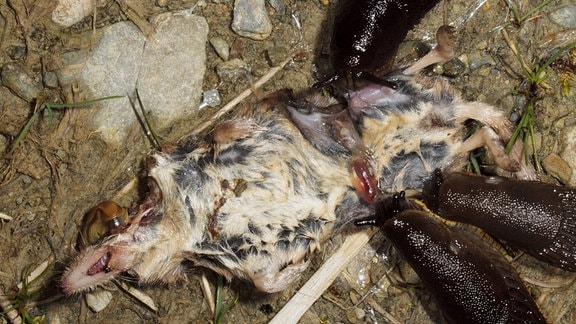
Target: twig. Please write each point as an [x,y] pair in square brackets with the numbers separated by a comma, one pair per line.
[382,311]
[322,279]
[145,27]
[222,111]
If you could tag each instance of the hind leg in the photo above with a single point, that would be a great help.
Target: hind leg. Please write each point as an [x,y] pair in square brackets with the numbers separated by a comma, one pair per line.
[496,131]
[487,137]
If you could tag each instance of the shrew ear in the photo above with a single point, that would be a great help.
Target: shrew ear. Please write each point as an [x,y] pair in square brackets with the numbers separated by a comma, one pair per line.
[235,130]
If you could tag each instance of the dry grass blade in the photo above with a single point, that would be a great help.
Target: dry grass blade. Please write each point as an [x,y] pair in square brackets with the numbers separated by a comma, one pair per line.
[5,217]
[36,272]
[137,294]
[207,292]
[322,279]
[10,312]
[13,313]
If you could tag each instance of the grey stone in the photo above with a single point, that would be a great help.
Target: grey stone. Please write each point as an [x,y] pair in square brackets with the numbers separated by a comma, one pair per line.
[251,19]
[278,5]
[68,12]
[16,79]
[50,79]
[478,59]
[231,71]
[565,16]
[168,70]
[110,69]
[173,67]
[98,300]
[221,47]
[211,98]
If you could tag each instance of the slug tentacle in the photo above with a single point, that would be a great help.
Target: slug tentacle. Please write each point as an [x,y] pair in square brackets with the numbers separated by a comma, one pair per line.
[535,217]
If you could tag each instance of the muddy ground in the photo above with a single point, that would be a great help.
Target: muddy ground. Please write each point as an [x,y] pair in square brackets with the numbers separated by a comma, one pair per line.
[61,170]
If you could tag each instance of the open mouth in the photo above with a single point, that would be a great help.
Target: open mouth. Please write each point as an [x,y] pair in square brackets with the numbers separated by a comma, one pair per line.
[101,265]
[92,269]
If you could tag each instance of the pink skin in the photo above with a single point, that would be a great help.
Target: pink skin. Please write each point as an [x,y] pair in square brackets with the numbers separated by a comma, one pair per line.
[94,267]
[362,100]
[101,263]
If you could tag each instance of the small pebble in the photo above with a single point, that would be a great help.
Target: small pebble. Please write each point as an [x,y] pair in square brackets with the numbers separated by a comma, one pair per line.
[17,52]
[221,47]
[478,59]
[26,180]
[16,79]
[278,6]
[68,12]
[251,19]
[62,155]
[557,167]
[565,16]
[98,300]
[454,68]
[51,80]
[210,98]
[360,313]
[231,71]
[514,117]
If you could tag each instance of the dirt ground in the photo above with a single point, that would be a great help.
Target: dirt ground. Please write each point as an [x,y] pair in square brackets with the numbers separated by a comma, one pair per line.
[61,170]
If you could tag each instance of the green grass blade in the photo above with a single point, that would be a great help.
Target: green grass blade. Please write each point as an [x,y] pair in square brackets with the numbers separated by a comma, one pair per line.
[81,103]
[23,132]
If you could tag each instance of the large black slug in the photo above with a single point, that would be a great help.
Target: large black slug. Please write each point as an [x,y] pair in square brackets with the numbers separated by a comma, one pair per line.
[470,279]
[536,217]
[367,33]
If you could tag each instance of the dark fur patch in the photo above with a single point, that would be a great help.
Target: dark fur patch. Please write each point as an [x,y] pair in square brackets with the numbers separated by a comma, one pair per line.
[412,167]
[190,211]
[235,154]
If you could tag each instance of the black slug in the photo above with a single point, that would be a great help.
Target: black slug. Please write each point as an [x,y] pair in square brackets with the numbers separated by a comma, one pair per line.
[536,217]
[367,33]
[470,279]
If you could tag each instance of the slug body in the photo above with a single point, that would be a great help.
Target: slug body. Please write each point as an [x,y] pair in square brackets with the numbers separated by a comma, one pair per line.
[536,217]
[367,33]
[470,279]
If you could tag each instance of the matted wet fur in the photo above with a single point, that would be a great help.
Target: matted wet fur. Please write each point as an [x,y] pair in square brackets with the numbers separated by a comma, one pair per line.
[252,198]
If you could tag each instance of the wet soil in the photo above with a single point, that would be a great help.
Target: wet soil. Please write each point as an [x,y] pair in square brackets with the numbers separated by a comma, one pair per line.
[61,170]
